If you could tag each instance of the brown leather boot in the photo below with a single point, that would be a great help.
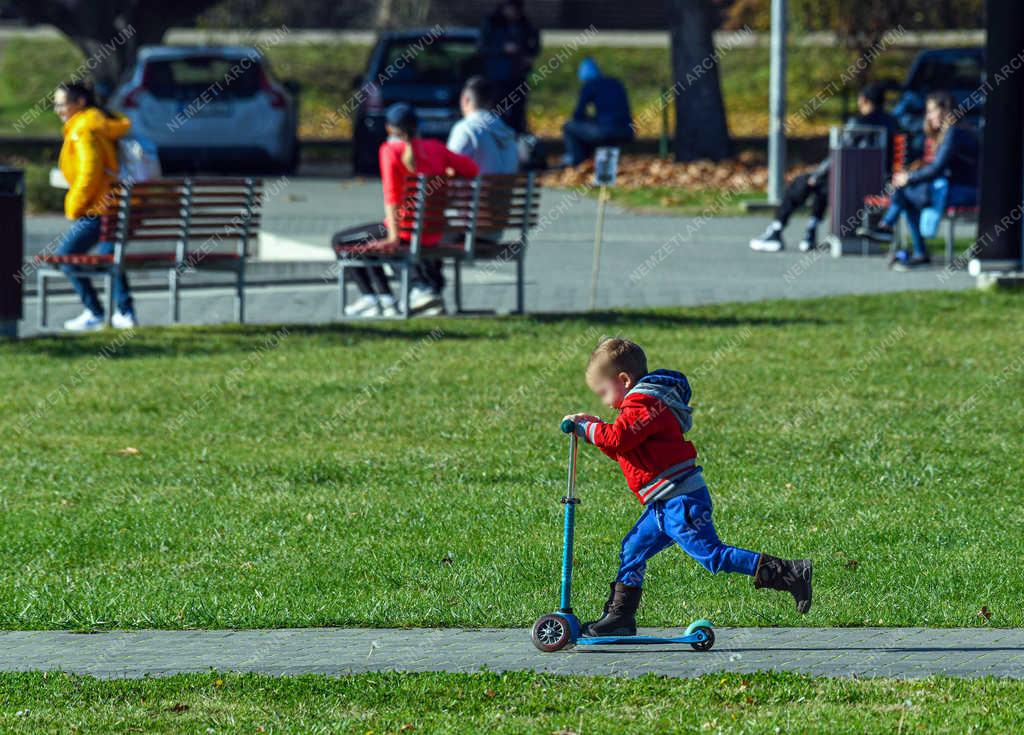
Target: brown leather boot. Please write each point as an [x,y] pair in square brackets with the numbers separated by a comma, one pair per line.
[619,612]
[786,575]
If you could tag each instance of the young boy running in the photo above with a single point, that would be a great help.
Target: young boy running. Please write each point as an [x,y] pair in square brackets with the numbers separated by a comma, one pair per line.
[660,467]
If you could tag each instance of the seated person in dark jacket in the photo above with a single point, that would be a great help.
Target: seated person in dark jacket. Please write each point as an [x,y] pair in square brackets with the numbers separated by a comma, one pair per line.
[814,185]
[953,164]
[610,122]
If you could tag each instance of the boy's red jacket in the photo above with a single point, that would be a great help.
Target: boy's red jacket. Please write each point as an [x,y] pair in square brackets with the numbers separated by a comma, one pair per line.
[647,439]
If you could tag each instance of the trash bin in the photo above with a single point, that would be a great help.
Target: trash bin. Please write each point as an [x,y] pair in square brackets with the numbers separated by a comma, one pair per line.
[857,169]
[12,248]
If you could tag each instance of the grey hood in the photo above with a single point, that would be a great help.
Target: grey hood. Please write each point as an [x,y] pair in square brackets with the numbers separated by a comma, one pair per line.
[671,388]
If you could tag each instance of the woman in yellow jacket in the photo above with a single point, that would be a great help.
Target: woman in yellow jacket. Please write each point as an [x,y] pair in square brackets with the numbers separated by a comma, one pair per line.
[88,160]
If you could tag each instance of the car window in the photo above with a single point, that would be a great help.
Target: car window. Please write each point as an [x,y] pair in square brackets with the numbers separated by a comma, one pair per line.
[960,72]
[442,62]
[196,75]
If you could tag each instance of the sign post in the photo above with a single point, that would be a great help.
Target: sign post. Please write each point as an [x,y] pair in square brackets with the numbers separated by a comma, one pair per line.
[777,104]
[606,167]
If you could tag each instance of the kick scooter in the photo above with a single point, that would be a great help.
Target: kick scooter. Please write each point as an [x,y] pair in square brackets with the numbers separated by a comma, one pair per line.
[560,629]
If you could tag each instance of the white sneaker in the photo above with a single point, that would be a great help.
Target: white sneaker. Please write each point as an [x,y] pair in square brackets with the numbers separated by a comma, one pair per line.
[87,321]
[366,305]
[120,320]
[421,297]
[389,306]
[810,241]
[770,244]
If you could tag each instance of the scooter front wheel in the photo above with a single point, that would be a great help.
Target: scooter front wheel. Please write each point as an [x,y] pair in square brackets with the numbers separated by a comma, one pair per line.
[709,639]
[551,633]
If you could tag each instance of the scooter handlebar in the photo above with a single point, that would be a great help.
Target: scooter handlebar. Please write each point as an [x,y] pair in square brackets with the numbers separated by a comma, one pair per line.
[568,426]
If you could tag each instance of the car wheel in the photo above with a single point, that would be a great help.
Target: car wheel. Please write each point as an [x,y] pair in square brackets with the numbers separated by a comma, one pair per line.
[290,166]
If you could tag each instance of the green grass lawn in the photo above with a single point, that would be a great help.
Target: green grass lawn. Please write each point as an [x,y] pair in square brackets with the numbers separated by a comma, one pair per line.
[508,703]
[409,474]
[673,200]
[31,68]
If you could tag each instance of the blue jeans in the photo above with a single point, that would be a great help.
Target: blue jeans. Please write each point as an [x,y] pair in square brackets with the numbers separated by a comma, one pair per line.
[909,201]
[83,234]
[583,136]
[684,520]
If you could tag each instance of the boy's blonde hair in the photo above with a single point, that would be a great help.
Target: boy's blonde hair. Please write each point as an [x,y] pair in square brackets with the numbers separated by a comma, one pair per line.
[614,355]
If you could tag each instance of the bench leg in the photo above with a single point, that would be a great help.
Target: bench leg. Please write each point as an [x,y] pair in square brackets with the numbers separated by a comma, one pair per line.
[458,286]
[109,296]
[342,296]
[240,294]
[404,300]
[41,292]
[950,240]
[172,295]
[520,286]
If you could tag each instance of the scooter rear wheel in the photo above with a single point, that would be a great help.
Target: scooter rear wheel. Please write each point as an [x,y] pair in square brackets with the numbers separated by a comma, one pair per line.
[551,633]
[709,639]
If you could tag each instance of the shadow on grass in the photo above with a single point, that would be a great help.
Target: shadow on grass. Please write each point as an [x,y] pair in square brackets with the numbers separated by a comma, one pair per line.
[233,338]
[220,339]
[639,648]
[670,319]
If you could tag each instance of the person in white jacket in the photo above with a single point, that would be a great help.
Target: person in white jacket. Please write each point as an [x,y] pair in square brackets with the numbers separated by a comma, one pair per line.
[482,136]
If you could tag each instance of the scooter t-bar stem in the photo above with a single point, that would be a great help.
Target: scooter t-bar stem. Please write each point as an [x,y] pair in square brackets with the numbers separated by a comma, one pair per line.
[569,501]
[569,427]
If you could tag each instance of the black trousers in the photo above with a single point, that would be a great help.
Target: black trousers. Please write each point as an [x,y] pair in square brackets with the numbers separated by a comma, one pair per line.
[799,191]
[371,279]
[512,102]
[430,273]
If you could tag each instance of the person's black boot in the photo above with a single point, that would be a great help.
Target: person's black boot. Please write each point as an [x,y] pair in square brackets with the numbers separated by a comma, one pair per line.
[786,575]
[619,612]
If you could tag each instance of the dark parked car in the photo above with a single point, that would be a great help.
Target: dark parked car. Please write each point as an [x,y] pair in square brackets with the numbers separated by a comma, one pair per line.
[413,66]
[959,71]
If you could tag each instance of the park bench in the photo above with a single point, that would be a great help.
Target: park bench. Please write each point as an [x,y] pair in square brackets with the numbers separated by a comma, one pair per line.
[177,224]
[467,211]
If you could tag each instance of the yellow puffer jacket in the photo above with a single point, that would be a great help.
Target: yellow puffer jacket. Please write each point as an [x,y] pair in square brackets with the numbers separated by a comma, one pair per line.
[88,160]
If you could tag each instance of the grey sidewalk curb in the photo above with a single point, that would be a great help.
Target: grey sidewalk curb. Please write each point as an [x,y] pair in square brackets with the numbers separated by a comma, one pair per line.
[830,652]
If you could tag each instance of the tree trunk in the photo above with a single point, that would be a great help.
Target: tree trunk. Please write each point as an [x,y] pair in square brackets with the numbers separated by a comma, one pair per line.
[108,59]
[109,33]
[701,129]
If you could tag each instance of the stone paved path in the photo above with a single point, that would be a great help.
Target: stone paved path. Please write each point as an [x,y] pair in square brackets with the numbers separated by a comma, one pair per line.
[889,652]
[647,260]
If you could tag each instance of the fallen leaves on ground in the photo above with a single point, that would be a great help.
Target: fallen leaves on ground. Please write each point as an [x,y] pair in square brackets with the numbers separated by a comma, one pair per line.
[746,171]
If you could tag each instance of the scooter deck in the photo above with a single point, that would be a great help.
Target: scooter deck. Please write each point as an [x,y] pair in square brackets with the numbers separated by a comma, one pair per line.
[608,640]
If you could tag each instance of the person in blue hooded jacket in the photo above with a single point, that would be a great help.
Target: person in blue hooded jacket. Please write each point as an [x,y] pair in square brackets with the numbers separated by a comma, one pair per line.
[601,116]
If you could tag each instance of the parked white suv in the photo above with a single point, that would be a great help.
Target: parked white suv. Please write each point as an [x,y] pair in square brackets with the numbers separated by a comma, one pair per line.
[211,107]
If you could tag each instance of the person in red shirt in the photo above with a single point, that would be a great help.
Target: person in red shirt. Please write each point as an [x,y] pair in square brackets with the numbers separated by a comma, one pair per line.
[402,154]
[647,439]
